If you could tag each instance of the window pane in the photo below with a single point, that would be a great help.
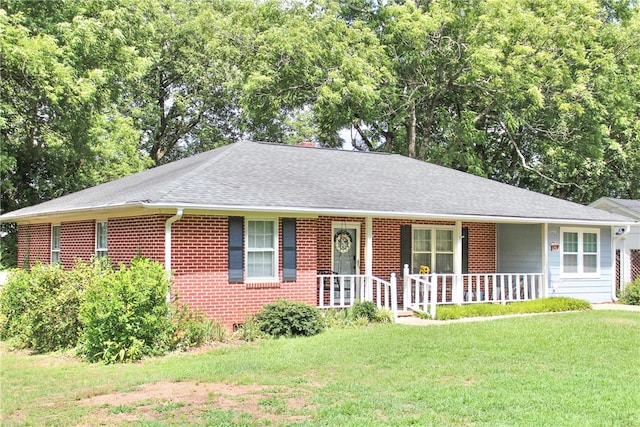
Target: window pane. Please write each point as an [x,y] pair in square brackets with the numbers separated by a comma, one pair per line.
[590,263]
[444,240]
[570,263]
[570,242]
[101,235]
[55,237]
[261,235]
[420,259]
[260,264]
[590,243]
[421,240]
[55,257]
[444,263]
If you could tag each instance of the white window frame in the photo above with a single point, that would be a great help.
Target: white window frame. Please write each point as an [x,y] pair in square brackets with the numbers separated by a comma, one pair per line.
[434,252]
[55,249]
[580,254]
[274,250]
[102,251]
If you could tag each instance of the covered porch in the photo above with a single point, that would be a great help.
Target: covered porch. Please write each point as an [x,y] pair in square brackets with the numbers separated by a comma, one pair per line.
[418,264]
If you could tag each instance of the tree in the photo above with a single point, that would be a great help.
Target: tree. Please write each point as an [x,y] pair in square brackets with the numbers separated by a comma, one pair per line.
[540,95]
[62,68]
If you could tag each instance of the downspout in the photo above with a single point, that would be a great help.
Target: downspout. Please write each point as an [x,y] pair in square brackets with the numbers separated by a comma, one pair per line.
[615,236]
[167,245]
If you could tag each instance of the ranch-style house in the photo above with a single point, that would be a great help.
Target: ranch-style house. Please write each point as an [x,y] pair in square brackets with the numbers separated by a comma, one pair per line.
[249,223]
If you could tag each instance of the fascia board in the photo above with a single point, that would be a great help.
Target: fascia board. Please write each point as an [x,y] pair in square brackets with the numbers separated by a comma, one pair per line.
[388,214]
[131,209]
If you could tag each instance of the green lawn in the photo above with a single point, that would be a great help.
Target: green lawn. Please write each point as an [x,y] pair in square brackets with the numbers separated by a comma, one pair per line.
[569,369]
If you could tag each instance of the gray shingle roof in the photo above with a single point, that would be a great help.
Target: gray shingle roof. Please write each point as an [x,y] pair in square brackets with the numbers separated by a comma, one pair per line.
[258,176]
[627,207]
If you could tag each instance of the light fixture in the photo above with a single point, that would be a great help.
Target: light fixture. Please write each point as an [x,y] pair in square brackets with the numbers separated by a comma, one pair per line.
[555,246]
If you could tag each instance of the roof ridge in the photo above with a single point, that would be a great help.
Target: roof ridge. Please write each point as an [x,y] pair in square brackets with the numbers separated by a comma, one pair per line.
[196,171]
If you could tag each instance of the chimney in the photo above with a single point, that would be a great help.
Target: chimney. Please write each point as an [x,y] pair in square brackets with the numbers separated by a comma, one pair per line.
[306,144]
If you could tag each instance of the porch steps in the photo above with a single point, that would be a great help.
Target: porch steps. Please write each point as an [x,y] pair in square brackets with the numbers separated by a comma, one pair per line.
[405,313]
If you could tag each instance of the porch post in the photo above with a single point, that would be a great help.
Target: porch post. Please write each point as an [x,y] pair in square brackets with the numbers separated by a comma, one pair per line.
[545,260]
[368,258]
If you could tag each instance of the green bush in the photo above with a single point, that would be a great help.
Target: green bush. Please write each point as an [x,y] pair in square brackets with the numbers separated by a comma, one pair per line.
[40,307]
[285,318]
[125,315]
[631,293]
[192,328]
[364,309]
[249,330]
[383,315]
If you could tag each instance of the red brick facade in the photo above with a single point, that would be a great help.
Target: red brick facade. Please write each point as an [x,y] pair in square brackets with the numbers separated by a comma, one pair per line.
[482,247]
[77,241]
[200,256]
[128,237]
[34,244]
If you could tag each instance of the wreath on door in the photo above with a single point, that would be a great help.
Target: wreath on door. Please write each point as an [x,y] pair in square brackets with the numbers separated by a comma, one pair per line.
[343,241]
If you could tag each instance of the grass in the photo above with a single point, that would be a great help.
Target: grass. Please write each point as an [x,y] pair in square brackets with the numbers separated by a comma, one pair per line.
[569,369]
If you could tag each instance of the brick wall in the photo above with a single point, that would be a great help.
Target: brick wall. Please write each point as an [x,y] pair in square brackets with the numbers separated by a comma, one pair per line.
[128,237]
[77,241]
[482,247]
[200,252]
[200,257]
[34,244]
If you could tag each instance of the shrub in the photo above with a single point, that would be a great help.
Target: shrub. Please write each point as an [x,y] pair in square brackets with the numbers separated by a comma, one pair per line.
[631,293]
[126,314]
[40,307]
[383,315]
[364,309]
[192,329]
[289,318]
[249,330]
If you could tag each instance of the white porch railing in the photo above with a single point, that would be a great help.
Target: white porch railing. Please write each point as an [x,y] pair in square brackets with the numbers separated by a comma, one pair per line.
[425,292]
[343,290]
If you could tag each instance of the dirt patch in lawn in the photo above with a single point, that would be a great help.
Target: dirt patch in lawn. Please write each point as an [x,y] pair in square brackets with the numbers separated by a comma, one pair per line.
[190,401]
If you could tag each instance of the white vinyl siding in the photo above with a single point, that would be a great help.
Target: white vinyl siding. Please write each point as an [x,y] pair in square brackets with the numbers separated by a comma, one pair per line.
[101,239]
[580,252]
[55,244]
[262,257]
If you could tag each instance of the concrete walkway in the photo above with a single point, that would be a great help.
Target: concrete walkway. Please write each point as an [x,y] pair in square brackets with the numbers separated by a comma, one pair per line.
[414,321]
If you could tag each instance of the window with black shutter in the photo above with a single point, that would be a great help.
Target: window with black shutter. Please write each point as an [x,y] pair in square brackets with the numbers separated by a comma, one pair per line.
[236,248]
[289,255]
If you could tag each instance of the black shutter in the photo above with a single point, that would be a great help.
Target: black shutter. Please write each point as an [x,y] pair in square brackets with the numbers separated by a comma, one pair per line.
[405,246]
[289,249]
[465,250]
[236,248]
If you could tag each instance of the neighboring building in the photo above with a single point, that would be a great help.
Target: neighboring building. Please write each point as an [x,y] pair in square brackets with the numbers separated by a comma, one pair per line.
[628,242]
[248,223]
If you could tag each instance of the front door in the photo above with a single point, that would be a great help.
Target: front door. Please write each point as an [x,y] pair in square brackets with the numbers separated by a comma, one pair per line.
[345,255]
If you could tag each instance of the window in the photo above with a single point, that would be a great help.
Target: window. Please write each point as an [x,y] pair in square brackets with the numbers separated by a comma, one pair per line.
[261,249]
[432,247]
[580,256]
[55,244]
[101,238]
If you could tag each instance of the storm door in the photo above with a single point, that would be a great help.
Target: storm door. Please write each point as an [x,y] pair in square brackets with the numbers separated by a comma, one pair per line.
[345,255]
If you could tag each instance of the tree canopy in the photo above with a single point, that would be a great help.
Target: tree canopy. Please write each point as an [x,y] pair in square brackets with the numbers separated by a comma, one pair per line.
[540,94]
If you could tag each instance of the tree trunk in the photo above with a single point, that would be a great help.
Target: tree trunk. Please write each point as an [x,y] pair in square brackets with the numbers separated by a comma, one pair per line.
[410,123]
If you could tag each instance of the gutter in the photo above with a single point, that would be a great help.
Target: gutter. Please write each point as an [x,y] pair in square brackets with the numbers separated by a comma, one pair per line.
[105,209]
[617,235]
[391,214]
[167,244]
